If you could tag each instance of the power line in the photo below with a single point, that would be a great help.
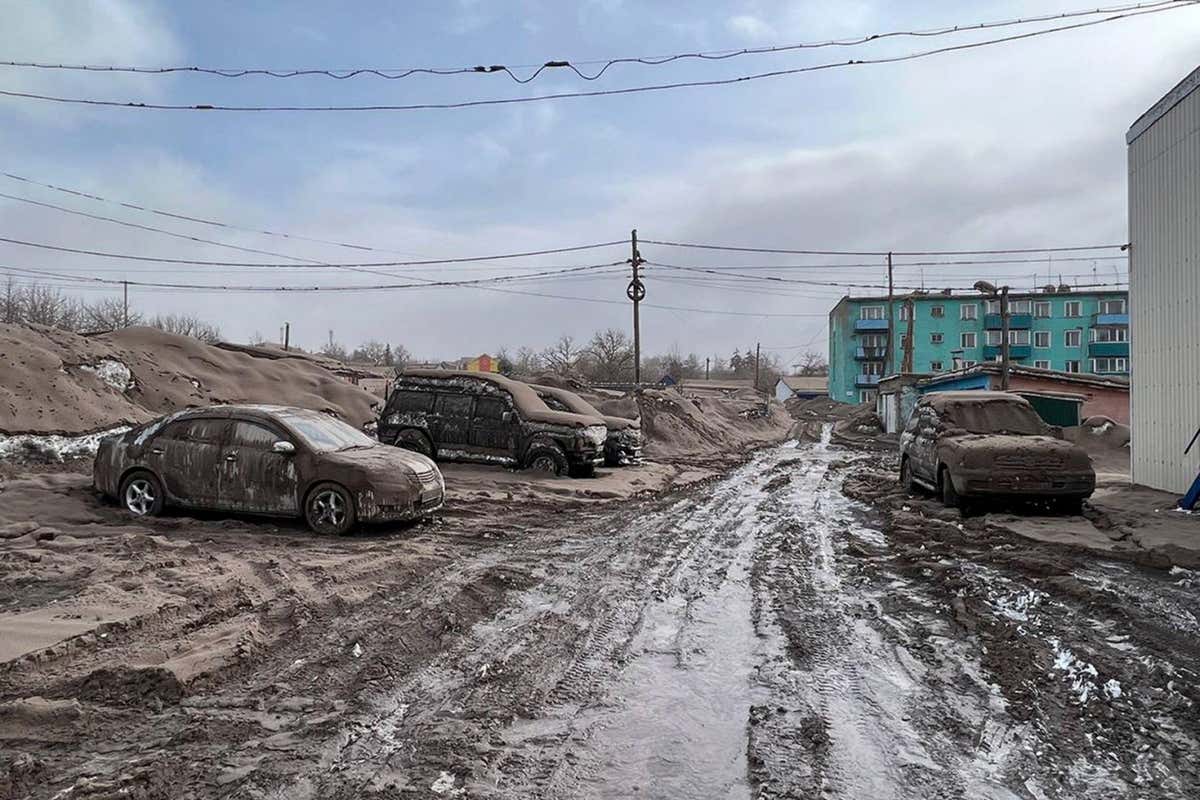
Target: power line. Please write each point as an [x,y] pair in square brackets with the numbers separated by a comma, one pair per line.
[599,92]
[398,73]
[860,266]
[424,262]
[781,251]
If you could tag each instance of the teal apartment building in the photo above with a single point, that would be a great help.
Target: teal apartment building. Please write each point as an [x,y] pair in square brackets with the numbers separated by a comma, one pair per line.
[1057,328]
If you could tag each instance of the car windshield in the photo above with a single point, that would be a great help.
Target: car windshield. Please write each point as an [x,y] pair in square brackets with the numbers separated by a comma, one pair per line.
[993,417]
[326,434]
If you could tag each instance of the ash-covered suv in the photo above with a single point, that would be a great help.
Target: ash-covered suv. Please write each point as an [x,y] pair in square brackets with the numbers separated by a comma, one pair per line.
[977,444]
[455,415]
[624,444]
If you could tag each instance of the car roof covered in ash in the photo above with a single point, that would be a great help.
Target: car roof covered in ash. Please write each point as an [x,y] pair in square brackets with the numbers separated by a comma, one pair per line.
[523,395]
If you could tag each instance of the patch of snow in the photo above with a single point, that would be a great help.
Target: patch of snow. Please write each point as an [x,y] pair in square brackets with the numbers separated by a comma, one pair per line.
[1112,688]
[1105,428]
[357,651]
[115,373]
[1080,673]
[1016,606]
[35,447]
[445,785]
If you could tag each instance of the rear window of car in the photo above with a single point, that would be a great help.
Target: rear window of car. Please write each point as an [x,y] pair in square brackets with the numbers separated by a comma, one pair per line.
[251,434]
[454,405]
[406,400]
[553,403]
[198,431]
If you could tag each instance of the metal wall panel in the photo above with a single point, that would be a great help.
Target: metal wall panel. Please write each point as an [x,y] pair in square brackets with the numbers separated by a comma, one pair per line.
[1164,226]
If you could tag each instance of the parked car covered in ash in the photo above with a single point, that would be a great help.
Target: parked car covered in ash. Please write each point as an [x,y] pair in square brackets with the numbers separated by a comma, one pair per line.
[455,415]
[269,460]
[623,447]
[978,444]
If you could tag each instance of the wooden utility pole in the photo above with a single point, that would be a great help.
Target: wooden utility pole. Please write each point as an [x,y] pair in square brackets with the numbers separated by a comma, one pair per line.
[891,326]
[907,364]
[636,291]
[1004,339]
[125,305]
[287,335]
[757,359]
[706,360]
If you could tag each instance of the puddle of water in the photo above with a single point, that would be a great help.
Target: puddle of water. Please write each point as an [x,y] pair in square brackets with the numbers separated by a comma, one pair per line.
[679,726]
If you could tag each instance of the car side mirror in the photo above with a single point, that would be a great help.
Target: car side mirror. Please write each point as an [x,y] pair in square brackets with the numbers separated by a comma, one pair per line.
[1057,432]
[283,448]
[507,416]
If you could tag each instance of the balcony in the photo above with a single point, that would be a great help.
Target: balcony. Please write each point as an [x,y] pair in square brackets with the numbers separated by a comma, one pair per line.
[1118,320]
[1015,351]
[1016,322]
[1102,349]
[870,325]
[870,354]
[867,381]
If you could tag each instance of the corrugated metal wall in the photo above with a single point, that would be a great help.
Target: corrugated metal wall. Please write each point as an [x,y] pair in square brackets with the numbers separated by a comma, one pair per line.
[1164,226]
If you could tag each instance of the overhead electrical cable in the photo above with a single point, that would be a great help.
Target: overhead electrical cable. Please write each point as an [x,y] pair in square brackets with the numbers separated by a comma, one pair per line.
[783,251]
[573,65]
[598,92]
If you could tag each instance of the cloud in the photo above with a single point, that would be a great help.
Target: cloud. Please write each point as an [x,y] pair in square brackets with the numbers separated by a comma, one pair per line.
[750,27]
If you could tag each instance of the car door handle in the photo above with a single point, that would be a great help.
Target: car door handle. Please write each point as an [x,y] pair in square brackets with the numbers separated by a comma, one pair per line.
[157,451]
[231,457]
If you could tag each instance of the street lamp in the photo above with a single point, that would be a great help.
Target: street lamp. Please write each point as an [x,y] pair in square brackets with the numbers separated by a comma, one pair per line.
[991,289]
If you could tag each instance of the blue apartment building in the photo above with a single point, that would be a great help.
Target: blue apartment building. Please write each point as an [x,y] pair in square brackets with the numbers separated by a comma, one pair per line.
[1057,328]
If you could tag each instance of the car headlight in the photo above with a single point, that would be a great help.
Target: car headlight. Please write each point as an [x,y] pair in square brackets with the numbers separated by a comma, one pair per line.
[595,434]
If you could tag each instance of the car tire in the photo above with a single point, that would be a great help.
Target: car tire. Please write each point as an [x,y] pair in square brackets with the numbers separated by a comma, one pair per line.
[142,494]
[547,460]
[906,477]
[329,509]
[950,496]
[412,439]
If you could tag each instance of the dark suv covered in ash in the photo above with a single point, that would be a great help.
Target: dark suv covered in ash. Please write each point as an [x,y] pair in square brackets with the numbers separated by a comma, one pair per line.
[622,448]
[975,444]
[455,415]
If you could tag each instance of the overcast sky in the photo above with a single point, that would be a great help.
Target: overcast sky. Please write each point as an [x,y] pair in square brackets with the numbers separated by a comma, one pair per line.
[1017,145]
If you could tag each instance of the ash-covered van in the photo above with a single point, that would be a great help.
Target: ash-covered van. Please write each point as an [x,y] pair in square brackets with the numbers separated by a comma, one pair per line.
[454,415]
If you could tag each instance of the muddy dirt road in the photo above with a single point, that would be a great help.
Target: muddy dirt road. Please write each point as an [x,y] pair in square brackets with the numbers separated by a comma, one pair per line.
[760,636]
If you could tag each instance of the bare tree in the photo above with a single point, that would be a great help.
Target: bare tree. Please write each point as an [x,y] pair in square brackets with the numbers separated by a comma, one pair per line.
[562,356]
[372,352]
[528,362]
[108,315]
[43,305]
[812,363]
[335,350]
[186,325]
[610,355]
[400,356]
[12,303]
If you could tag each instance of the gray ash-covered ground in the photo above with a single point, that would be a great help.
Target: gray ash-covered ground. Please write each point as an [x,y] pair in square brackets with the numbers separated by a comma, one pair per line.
[795,628]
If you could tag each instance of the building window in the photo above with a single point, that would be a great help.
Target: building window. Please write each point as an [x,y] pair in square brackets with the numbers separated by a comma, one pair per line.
[1072,308]
[992,338]
[969,364]
[871,312]
[905,312]
[968,311]
[991,306]
[1042,364]
[1112,306]
[1072,366]
[1018,307]
[937,312]
[1042,309]
[1105,365]
[1072,338]
[1041,339]
[935,366]
[935,338]
[1019,337]
[867,395]
[872,368]
[1110,334]
[967,339]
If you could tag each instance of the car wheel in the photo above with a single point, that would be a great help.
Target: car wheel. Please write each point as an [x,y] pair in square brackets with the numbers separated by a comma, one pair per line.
[414,440]
[547,460]
[906,478]
[142,494]
[329,509]
[950,497]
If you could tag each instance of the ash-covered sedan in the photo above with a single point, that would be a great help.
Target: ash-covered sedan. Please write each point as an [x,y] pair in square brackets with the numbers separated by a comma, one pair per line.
[266,460]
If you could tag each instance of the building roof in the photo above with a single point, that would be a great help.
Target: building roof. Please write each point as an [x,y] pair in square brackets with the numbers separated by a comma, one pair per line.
[935,295]
[1074,378]
[1159,110]
[806,383]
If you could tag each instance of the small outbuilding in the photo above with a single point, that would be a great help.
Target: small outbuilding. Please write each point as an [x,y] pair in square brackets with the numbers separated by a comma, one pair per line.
[803,387]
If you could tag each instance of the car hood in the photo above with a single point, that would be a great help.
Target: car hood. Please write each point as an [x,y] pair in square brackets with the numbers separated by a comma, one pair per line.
[1004,450]
[620,423]
[382,458]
